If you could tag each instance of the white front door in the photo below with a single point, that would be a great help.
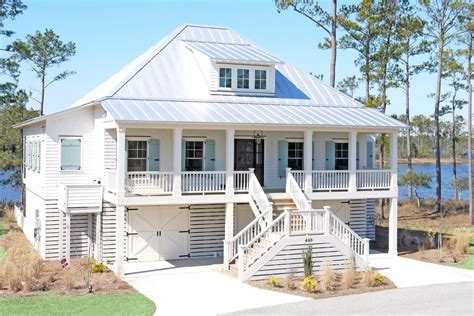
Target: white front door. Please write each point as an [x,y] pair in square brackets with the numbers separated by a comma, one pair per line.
[157,233]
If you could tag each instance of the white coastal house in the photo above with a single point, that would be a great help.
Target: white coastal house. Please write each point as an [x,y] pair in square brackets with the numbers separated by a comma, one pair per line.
[207,145]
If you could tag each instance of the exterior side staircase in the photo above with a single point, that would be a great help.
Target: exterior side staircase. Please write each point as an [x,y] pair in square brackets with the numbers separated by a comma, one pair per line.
[273,242]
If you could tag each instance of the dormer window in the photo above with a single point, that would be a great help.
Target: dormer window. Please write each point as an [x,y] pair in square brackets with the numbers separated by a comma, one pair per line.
[243,78]
[225,78]
[260,79]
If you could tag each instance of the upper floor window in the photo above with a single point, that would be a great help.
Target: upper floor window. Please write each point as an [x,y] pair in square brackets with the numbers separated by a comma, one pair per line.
[243,78]
[70,154]
[295,155]
[341,156]
[194,156]
[261,79]
[32,155]
[137,155]
[225,78]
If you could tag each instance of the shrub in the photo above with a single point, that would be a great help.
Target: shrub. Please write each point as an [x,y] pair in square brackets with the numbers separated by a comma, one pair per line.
[377,279]
[99,267]
[349,274]
[68,279]
[309,284]
[275,281]
[9,214]
[99,281]
[328,277]
[461,241]
[308,261]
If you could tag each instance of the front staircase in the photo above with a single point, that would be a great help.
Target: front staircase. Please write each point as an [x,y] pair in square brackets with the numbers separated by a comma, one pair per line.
[272,244]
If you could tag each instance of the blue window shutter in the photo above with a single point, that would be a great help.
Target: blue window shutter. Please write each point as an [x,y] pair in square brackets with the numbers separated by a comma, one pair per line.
[38,157]
[370,155]
[312,155]
[330,155]
[183,155]
[357,156]
[70,154]
[34,155]
[154,155]
[282,157]
[210,160]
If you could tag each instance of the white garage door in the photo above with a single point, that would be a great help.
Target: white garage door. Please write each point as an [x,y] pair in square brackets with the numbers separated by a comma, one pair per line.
[158,233]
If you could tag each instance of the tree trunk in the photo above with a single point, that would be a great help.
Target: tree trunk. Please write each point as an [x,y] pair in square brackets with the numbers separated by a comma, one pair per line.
[437,144]
[332,71]
[453,144]
[407,113]
[469,129]
[42,93]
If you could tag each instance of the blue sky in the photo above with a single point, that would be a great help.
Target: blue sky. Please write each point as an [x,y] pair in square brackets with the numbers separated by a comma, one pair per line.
[110,34]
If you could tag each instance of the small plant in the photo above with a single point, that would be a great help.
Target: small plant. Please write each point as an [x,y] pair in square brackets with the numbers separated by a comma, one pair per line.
[461,241]
[377,279]
[308,261]
[9,214]
[328,277]
[275,281]
[99,267]
[68,279]
[349,274]
[290,281]
[309,284]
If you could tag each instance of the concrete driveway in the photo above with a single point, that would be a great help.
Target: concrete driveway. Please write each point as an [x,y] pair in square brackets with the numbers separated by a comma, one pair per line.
[406,272]
[193,287]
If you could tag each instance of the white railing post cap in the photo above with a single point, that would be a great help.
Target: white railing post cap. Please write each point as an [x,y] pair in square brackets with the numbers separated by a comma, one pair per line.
[327,208]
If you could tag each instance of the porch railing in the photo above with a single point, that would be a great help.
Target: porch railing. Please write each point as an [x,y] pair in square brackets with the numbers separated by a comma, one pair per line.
[327,180]
[149,182]
[203,181]
[241,181]
[373,179]
[299,176]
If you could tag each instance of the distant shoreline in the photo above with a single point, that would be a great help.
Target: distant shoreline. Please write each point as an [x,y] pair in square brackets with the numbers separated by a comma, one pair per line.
[403,161]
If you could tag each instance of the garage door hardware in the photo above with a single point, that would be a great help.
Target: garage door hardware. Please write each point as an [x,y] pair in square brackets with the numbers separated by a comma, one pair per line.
[131,234]
[130,209]
[158,233]
[185,231]
[185,256]
[130,259]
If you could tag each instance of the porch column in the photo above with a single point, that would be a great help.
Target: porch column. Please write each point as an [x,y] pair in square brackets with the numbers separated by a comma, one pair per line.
[394,162]
[392,227]
[121,164]
[352,161]
[68,237]
[308,161]
[229,233]
[177,156]
[229,160]
[119,239]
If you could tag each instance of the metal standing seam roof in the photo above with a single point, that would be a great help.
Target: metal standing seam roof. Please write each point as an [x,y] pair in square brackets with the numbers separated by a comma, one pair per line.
[245,114]
[234,52]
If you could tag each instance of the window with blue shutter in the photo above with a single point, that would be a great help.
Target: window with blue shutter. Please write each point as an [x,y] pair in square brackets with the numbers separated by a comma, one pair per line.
[357,156]
[282,157]
[70,154]
[370,155]
[330,155]
[210,153]
[154,155]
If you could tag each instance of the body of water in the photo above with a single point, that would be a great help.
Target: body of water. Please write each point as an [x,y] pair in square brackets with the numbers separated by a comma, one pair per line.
[11,193]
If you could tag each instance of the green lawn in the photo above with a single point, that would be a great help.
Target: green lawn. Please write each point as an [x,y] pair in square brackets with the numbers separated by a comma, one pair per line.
[96,304]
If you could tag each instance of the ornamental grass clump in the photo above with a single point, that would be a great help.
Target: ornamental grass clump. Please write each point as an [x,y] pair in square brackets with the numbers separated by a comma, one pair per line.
[349,274]
[328,277]
[308,261]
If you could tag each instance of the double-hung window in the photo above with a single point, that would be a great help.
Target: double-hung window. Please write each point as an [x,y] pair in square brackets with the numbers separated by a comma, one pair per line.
[71,154]
[194,158]
[243,78]
[342,156]
[137,155]
[260,79]
[295,155]
[225,77]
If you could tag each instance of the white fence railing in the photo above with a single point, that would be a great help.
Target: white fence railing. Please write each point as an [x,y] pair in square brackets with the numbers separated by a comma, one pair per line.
[294,190]
[149,182]
[299,176]
[258,195]
[344,233]
[304,222]
[327,180]
[203,181]
[241,181]
[373,179]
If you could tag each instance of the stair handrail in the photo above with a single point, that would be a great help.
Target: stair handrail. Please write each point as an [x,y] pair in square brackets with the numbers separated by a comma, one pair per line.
[280,222]
[258,195]
[245,235]
[294,190]
[340,230]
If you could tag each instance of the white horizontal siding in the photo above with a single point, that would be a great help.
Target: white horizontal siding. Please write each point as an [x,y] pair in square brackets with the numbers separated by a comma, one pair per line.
[207,231]
[110,149]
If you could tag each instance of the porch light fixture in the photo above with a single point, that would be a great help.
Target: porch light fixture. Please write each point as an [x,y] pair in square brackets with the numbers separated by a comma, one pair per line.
[258,135]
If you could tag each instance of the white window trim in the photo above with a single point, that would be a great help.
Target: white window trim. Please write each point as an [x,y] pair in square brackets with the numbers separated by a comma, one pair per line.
[270,80]
[232,77]
[203,141]
[237,79]
[144,139]
[81,167]
[302,152]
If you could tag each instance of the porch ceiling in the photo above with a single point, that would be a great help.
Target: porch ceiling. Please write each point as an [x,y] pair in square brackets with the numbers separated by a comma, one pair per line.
[227,113]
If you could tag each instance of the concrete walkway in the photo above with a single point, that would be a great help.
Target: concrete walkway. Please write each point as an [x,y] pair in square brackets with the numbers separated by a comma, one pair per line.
[192,287]
[406,272]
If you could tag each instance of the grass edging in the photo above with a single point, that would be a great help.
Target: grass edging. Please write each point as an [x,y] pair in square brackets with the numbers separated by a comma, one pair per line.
[96,304]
